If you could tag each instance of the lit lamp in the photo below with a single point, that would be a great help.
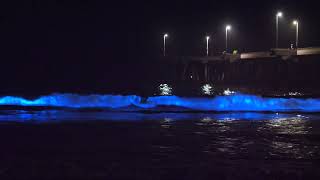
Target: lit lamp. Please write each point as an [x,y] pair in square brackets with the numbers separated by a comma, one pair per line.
[165,36]
[296,23]
[208,38]
[228,28]
[279,15]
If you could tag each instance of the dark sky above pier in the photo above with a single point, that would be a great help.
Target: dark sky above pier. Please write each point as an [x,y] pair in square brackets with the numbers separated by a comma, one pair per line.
[103,28]
[40,34]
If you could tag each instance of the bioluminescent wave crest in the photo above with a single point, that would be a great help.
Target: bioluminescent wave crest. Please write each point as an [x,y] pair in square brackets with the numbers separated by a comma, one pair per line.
[74,100]
[235,102]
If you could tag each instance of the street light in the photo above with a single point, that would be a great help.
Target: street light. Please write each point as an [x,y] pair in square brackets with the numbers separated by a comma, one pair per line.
[208,38]
[296,23]
[164,44]
[279,15]
[228,28]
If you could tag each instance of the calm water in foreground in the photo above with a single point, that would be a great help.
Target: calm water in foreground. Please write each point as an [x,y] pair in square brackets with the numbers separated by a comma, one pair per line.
[90,144]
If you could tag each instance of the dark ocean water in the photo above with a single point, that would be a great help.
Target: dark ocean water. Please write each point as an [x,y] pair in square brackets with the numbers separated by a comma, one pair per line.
[46,143]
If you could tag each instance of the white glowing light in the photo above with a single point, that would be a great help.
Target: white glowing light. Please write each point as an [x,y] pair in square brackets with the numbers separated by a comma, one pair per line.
[165,35]
[207,89]
[206,120]
[165,89]
[227,92]
[167,120]
[279,14]
[295,94]
[228,27]
[295,22]
[226,119]
[208,37]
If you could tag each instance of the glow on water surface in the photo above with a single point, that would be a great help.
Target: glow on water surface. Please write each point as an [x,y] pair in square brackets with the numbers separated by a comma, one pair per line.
[234,102]
[75,115]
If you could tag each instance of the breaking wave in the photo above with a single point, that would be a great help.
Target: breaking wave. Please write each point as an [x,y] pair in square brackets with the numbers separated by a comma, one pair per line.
[235,102]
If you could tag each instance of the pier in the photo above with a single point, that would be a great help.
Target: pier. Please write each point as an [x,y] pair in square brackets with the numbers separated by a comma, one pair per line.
[284,54]
[277,67]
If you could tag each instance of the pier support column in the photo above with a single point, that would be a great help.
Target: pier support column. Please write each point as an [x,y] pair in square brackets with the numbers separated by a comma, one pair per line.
[206,72]
[184,71]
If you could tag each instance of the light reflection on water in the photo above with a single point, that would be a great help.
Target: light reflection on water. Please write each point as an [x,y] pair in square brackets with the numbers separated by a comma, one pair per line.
[243,142]
[292,125]
[239,135]
[274,120]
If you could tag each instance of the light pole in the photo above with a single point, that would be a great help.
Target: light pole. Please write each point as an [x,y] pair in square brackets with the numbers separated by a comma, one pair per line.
[296,23]
[228,28]
[279,15]
[164,44]
[208,38]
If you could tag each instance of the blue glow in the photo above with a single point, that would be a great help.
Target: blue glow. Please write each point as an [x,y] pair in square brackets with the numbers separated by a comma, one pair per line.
[235,102]
[239,102]
[53,116]
[74,100]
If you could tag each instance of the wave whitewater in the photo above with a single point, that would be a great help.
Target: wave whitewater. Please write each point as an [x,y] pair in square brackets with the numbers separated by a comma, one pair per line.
[235,102]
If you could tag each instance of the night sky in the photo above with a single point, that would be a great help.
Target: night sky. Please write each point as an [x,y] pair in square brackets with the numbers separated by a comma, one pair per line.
[50,44]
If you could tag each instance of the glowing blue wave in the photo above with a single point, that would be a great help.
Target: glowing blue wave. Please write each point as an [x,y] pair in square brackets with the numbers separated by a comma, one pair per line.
[74,100]
[236,102]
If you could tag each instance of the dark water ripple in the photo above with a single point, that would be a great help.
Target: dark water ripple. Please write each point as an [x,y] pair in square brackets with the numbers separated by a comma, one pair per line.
[51,144]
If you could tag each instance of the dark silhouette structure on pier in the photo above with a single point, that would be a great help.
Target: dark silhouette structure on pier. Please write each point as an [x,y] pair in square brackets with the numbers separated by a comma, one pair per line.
[274,68]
